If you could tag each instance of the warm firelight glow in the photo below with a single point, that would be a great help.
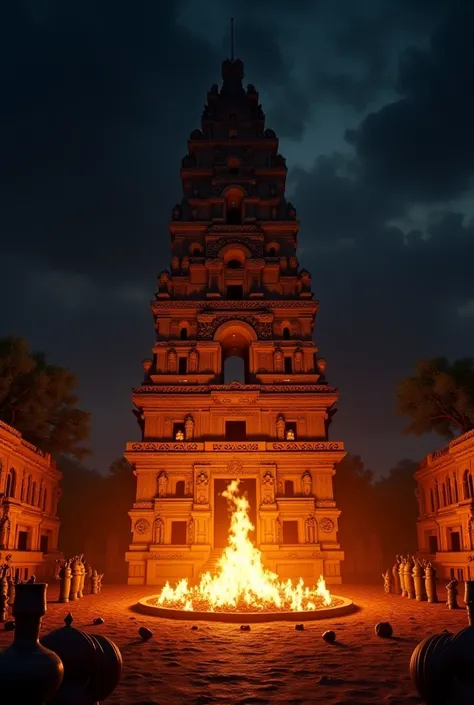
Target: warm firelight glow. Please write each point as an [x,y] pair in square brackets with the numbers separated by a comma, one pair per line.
[241,583]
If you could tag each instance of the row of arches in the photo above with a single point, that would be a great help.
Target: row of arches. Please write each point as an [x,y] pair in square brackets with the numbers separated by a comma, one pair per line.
[447,492]
[30,493]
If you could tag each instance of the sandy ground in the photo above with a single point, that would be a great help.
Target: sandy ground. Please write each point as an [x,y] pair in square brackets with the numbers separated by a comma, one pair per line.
[273,663]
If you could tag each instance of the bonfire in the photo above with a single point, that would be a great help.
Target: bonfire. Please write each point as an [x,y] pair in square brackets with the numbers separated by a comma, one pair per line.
[241,583]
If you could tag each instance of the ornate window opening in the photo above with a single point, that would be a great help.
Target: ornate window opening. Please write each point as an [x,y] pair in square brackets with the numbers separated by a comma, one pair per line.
[289,488]
[468,489]
[288,365]
[182,365]
[10,488]
[178,431]
[286,333]
[180,488]
[183,334]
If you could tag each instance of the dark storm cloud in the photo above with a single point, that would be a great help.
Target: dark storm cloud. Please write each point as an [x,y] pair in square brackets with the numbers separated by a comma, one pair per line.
[98,99]
[423,144]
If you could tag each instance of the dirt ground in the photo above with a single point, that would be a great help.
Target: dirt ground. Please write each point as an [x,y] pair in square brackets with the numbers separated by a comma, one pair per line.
[272,663]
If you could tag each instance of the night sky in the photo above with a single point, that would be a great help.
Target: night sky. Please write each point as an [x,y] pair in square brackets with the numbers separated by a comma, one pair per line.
[373,103]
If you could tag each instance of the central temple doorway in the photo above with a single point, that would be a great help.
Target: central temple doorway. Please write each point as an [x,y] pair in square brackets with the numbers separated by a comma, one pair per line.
[222,512]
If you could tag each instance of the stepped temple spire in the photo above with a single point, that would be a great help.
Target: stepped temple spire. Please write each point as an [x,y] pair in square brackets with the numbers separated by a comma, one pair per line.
[235,386]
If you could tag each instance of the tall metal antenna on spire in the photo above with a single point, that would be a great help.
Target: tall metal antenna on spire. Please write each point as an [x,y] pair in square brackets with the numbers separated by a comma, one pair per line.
[232,39]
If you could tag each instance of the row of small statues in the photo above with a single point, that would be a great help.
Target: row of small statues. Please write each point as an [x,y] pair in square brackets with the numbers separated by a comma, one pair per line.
[72,574]
[416,579]
[8,586]
[413,578]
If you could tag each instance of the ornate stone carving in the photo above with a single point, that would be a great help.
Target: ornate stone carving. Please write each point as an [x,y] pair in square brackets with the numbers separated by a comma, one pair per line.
[310,529]
[163,447]
[190,533]
[235,400]
[162,484]
[263,329]
[232,447]
[189,427]
[244,304]
[279,531]
[166,556]
[235,467]
[321,503]
[143,505]
[280,427]
[263,388]
[142,526]
[268,488]
[158,531]
[326,525]
[307,483]
[307,445]
[172,361]
[202,479]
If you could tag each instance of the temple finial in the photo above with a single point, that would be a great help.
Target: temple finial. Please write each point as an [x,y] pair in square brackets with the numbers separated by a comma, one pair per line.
[232,39]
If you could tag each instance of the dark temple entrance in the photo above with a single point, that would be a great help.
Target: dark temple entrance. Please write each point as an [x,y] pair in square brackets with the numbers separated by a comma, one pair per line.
[221,510]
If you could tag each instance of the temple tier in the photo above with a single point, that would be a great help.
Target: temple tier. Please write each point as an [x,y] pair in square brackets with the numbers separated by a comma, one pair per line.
[235,387]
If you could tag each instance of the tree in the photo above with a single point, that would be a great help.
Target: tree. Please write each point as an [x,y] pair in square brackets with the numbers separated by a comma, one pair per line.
[38,400]
[439,397]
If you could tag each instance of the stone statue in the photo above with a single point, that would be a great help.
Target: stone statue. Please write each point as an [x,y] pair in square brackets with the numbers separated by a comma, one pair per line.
[470,530]
[159,531]
[191,531]
[307,483]
[298,361]
[193,360]
[279,531]
[310,526]
[387,581]
[452,593]
[396,576]
[172,361]
[268,488]
[278,360]
[280,428]
[189,428]
[162,484]
[322,366]
[4,531]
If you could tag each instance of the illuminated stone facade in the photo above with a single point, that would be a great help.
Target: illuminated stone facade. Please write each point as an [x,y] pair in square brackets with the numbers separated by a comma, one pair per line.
[445,493]
[234,293]
[29,495]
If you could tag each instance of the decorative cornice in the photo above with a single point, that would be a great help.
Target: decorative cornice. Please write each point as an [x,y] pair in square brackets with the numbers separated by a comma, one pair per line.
[232,305]
[207,389]
[236,446]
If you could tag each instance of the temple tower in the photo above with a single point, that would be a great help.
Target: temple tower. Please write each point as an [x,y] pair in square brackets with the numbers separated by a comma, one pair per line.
[235,387]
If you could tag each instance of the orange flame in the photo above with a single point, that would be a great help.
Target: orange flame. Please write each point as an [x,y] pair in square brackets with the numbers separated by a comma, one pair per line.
[241,583]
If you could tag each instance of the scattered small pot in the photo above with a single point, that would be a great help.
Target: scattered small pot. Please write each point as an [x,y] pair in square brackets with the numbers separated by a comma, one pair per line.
[384,630]
[195,626]
[329,636]
[299,627]
[98,620]
[145,633]
[245,627]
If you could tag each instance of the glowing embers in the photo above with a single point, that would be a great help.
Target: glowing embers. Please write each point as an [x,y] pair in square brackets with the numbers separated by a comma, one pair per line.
[241,583]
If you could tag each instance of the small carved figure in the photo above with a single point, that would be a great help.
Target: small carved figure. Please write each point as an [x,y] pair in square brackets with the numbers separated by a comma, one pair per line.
[401,573]
[4,531]
[279,531]
[189,428]
[191,531]
[268,488]
[430,583]
[396,577]
[278,360]
[193,360]
[162,484]
[298,358]
[419,581]
[409,583]
[65,575]
[159,530]
[452,594]
[310,526]
[3,607]
[307,483]
[280,428]
[172,361]
[94,582]
[387,581]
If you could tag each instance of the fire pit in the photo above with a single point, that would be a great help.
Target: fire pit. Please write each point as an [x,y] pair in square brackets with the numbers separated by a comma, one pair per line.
[242,589]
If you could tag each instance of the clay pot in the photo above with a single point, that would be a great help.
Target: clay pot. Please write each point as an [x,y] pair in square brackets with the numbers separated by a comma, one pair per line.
[384,630]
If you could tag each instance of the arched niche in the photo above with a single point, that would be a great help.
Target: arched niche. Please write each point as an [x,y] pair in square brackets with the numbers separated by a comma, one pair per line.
[235,338]
[234,252]
[196,249]
[234,205]
[272,249]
